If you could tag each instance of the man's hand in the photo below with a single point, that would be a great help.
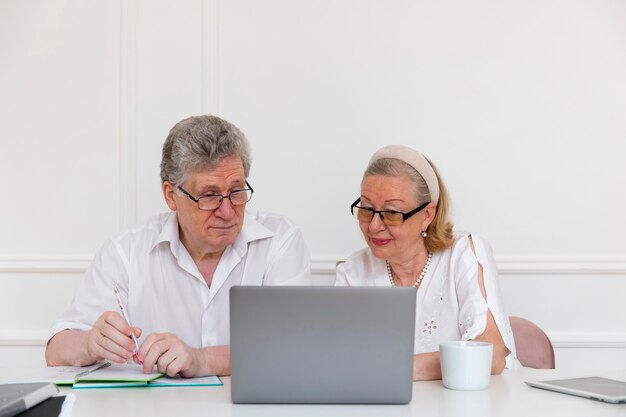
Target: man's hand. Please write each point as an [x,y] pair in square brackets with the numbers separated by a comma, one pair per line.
[110,338]
[170,355]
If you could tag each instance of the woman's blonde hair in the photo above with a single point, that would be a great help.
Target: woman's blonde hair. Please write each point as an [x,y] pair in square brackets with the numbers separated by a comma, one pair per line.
[440,231]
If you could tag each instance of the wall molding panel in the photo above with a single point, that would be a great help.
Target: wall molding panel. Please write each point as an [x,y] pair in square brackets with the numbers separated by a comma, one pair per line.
[560,340]
[23,337]
[527,266]
[593,340]
[128,115]
[210,56]
[325,267]
[51,265]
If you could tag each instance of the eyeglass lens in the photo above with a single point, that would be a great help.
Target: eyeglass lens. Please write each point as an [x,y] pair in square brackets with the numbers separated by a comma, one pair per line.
[237,198]
[366,215]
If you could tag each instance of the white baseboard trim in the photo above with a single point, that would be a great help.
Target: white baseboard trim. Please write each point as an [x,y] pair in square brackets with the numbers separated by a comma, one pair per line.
[560,340]
[561,266]
[325,266]
[45,265]
[23,338]
[526,266]
[588,340]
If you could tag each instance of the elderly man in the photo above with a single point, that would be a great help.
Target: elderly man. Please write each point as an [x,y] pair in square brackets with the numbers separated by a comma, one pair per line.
[174,272]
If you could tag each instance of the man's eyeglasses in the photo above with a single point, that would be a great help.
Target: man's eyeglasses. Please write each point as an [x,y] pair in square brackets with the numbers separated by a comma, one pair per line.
[389,217]
[213,201]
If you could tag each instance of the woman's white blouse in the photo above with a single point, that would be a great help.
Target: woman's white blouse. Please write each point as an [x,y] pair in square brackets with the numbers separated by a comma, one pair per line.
[449,304]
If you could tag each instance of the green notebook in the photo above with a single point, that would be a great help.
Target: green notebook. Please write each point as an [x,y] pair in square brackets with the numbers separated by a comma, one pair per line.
[116,375]
[202,381]
[131,375]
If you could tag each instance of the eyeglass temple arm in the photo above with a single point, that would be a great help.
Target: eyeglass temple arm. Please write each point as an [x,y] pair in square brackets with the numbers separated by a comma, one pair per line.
[354,204]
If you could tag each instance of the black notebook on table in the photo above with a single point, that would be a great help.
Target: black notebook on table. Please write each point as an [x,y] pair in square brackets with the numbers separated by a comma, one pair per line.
[17,398]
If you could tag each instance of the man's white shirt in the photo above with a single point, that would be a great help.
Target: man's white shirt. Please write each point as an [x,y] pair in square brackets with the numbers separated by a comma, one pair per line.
[163,289]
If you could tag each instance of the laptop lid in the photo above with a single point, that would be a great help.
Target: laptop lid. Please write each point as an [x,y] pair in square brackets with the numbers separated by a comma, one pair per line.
[331,345]
[596,388]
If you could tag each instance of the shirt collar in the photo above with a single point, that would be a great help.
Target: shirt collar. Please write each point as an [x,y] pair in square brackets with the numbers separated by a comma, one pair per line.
[252,230]
[169,233]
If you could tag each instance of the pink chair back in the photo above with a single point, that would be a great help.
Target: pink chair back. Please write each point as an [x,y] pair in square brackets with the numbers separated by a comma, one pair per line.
[533,346]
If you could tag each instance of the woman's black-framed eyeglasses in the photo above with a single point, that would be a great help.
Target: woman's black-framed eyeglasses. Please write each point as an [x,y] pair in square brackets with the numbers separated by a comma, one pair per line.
[389,217]
[213,201]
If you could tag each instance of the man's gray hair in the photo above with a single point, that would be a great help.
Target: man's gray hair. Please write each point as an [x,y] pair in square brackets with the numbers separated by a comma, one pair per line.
[201,142]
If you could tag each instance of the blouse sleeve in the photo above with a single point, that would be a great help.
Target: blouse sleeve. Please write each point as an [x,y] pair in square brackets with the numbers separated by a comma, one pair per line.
[473,307]
[341,279]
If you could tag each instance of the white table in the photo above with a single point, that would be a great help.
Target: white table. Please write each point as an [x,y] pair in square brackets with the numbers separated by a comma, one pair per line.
[507,395]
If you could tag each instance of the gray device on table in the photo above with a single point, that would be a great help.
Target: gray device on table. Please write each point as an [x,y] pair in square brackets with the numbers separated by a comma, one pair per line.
[327,345]
[595,388]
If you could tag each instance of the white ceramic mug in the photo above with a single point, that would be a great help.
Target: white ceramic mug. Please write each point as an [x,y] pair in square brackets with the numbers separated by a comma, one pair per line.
[466,366]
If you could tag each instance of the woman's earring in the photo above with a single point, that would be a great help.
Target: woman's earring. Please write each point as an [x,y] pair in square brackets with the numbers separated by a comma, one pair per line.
[424,233]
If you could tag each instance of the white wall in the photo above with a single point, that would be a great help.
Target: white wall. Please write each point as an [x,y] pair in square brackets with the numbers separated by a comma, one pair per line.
[521,105]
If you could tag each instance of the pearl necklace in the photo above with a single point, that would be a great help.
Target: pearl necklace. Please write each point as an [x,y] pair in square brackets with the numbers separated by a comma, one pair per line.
[419,279]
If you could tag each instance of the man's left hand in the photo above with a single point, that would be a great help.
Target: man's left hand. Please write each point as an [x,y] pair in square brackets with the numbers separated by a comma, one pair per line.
[170,355]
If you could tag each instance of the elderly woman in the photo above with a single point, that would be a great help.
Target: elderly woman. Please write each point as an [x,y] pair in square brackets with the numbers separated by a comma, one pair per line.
[403,215]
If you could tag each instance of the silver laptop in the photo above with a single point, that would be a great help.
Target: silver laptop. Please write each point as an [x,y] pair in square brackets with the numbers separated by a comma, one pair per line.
[596,388]
[328,345]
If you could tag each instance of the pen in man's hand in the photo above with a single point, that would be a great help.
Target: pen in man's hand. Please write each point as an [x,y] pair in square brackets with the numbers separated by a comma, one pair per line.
[132,331]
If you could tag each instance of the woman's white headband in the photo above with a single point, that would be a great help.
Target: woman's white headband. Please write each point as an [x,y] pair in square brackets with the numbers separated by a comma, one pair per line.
[414,159]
